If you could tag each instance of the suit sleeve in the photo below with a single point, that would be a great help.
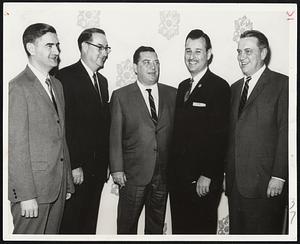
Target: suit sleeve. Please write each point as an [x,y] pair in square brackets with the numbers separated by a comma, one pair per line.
[115,140]
[20,176]
[280,167]
[218,133]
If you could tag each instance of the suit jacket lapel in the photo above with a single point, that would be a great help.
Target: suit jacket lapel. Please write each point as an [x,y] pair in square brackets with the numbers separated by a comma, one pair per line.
[161,102]
[237,97]
[258,88]
[201,82]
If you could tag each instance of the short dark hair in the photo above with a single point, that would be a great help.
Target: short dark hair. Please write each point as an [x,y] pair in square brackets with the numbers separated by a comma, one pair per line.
[196,33]
[262,42]
[136,55]
[87,34]
[35,31]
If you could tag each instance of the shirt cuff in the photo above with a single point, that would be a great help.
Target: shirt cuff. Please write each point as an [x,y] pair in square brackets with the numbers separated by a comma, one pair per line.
[273,177]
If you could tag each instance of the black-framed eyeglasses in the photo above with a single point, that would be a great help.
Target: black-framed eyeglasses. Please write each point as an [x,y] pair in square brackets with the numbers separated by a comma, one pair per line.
[100,47]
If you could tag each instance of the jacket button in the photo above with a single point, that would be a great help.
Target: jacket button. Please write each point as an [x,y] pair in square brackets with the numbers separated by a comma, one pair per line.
[57,121]
[15,197]
[61,159]
[155,149]
[14,190]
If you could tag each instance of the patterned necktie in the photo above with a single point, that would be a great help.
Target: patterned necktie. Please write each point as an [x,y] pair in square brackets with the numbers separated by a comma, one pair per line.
[48,82]
[244,95]
[96,86]
[188,92]
[152,107]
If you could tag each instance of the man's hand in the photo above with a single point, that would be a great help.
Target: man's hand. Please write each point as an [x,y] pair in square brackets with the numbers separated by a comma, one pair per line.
[119,178]
[68,195]
[275,187]
[29,208]
[77,176]
[202,187]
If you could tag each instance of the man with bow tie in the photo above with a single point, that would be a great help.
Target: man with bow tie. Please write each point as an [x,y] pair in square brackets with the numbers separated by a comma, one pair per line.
[195,170]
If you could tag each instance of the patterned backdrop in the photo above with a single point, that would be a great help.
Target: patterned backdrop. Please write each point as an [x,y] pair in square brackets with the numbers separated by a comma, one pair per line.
[162,26]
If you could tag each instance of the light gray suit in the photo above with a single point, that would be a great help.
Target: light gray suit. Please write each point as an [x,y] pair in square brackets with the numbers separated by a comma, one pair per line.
[39,164]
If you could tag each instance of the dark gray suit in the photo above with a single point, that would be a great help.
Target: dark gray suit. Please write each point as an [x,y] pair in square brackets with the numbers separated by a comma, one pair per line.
[258,150]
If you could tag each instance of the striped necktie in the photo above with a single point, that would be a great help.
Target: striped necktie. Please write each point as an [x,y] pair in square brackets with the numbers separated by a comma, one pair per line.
[244,95]
[188,92]
[152,107]
[48,82]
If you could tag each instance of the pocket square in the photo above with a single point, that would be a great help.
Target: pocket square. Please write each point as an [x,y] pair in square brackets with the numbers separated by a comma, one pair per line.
[195,104]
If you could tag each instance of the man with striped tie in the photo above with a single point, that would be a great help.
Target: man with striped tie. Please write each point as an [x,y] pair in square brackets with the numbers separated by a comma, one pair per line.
[257,162]
[140,133]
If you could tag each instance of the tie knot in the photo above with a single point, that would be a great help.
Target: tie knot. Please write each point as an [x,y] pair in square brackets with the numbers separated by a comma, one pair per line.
[149,90]
[248,78]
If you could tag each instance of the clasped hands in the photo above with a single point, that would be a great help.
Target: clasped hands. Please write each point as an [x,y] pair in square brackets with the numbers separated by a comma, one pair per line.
[119,178]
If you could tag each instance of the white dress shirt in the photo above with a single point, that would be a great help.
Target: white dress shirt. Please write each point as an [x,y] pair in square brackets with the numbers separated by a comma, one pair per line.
[154,93]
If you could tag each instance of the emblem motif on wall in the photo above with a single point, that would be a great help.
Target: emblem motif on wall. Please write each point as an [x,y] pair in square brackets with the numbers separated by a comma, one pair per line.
[169,24]
[223,226]
[125,73]
[241,25]
[88,19]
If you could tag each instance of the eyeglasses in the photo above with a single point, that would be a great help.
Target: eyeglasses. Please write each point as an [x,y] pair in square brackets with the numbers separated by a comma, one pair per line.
[100,47]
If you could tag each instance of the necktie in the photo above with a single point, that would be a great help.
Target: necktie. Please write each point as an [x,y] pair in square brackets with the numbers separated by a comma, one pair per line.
[188,92]
[152,107]
[48,82]
[244,95]
[96,86]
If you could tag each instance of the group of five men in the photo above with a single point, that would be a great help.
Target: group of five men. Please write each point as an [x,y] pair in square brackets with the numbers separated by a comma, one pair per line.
[63,134]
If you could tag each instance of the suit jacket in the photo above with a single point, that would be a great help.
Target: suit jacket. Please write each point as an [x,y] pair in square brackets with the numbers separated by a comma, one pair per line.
[136,144]
[38,157]
[200,131]
[87,120]
[258,139]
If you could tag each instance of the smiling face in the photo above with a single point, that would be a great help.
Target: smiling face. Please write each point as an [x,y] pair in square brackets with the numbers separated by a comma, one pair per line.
[92,55]
[147,68]
[250,55]
[44,52]
[196,56]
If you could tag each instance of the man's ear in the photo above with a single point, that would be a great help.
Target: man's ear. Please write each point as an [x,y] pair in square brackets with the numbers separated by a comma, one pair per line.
[263,53]
[30,48]
[209,52]
[135,68]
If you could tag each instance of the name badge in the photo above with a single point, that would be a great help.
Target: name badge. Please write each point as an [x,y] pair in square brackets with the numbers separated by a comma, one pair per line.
[195,104]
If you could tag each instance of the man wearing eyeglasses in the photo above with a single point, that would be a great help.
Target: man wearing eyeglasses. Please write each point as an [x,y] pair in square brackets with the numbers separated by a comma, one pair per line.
[140,133]
[87,131]
[199,143]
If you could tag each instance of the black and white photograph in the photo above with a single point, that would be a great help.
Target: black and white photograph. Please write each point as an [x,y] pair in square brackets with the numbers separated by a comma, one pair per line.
[149,121]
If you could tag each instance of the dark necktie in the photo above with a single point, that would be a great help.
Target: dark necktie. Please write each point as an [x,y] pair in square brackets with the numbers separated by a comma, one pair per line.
[152,107]
[244,95]
[188,92]
[48,82]
[96,86]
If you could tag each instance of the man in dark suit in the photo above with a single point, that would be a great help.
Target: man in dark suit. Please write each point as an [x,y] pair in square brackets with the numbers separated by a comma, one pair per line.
[200,132]
[141,127]
[256,173]
[87,130]
[39,173]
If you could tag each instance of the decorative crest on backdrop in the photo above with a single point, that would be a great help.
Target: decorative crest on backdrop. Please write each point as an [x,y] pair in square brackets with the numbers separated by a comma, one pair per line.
[169,24]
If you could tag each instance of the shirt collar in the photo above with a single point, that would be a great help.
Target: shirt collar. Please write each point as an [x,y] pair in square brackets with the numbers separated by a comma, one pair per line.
[90,72]
[199,75]
[143,87]
[258,73]
[41,77]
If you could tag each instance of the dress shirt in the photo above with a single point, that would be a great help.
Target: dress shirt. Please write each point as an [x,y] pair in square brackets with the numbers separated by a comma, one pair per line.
[42,79]
[254,78]
[197,78]
[154,93]
[91,73]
